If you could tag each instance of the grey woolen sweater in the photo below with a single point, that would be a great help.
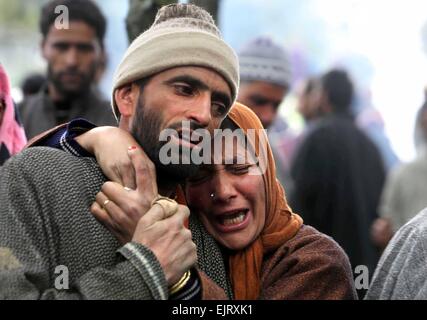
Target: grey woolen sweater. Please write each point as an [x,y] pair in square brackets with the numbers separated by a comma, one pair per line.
[402,271]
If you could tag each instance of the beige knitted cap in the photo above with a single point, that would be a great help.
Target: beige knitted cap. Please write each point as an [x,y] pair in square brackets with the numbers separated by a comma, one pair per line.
[181,35]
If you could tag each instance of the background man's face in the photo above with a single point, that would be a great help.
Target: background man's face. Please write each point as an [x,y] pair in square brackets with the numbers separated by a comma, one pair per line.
[309,102]
[72,55]
[263,98]
[198,96]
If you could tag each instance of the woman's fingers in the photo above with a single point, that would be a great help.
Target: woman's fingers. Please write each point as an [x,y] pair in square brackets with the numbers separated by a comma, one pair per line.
[128,176]
[145,172]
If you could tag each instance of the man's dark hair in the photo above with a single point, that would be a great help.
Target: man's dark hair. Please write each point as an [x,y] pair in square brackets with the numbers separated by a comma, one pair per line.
[79,10]
[339,89]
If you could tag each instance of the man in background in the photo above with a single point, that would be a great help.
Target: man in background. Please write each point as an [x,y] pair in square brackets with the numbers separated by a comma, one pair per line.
[265,74]
[339,174]
[74,56]
[404,193]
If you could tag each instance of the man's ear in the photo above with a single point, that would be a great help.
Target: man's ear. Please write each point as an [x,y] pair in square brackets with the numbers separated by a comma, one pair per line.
[126,99]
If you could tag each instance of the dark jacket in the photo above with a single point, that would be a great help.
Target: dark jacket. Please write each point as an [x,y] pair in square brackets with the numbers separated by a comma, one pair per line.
[39,113]
[339,175]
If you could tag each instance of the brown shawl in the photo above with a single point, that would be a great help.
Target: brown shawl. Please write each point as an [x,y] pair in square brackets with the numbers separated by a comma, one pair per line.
[281,223]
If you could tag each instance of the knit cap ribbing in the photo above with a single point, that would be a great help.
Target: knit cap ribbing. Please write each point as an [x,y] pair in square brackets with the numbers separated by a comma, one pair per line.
[185,16]
[261,59]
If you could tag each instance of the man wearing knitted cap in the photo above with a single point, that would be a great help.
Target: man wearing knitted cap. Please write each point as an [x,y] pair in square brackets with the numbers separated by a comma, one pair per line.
[51,247]
[266,77]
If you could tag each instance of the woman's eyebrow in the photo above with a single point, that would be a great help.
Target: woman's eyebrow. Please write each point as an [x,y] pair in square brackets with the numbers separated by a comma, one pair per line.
[235,160]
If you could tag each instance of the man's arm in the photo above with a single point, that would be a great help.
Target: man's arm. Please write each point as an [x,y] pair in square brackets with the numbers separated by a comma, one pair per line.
[63,137]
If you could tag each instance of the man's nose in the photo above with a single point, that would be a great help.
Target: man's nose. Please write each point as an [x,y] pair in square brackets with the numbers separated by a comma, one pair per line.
[201,111]
[72,57]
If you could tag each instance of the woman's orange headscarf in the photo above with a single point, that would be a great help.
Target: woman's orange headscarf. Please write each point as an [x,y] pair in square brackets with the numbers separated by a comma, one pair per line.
[281,224]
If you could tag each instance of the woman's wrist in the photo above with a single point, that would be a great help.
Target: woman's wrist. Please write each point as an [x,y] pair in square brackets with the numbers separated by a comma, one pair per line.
[91,140]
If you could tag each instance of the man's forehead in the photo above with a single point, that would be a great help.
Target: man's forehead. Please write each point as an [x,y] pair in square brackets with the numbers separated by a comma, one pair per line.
[77,31]
[196,71]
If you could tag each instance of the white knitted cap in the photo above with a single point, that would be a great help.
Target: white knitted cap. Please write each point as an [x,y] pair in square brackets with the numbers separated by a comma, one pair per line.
[261,59]
[181,35]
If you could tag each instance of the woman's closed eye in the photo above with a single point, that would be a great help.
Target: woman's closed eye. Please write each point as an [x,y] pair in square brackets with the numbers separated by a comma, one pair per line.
[239,169]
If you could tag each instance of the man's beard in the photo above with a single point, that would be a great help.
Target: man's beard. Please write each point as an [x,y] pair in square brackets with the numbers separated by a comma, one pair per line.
[146,129]
[72,92]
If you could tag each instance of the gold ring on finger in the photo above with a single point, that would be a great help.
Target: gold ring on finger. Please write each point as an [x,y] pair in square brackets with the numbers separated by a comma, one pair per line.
[105,203]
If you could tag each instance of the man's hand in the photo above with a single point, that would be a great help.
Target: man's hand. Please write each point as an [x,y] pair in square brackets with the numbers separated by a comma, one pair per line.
[169,240]
[129,216]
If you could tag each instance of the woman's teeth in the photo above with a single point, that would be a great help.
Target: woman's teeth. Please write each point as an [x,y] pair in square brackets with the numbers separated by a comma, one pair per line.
[233,219]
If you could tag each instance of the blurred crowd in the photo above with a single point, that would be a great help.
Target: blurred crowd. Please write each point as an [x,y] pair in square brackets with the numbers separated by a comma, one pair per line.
[339,173]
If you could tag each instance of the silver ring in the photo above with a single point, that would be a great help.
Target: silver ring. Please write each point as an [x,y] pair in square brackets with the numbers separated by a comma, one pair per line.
[127,189]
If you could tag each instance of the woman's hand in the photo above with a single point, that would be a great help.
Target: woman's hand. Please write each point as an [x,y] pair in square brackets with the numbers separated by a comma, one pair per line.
[129,216]
[110,145]
[120,208]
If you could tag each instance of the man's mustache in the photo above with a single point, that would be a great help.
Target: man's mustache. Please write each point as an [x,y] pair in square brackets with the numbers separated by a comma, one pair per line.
[71,72]
[188,124]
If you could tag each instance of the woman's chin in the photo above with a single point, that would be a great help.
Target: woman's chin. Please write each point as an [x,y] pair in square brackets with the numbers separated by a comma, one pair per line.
[235,242]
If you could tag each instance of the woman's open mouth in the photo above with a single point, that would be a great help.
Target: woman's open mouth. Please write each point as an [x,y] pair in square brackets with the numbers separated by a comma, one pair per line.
[233,220]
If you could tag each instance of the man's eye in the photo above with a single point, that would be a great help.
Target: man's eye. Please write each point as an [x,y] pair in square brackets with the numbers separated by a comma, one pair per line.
[86,48]
[61,46]
[183,89]
[219,109]
[259,101]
